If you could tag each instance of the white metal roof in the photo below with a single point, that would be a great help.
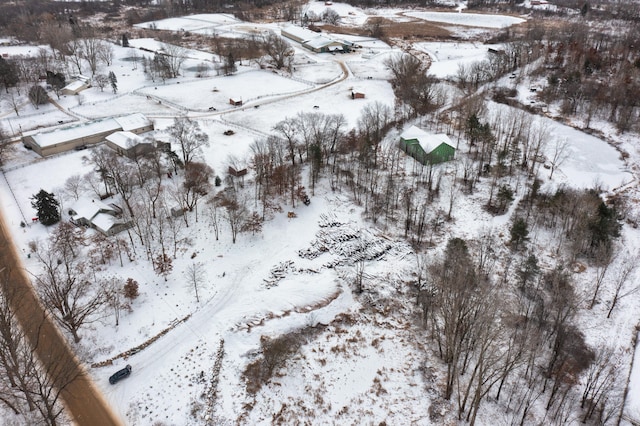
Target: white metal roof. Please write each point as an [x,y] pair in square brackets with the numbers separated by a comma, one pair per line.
[87,208]
[299,32]
[75,132]
[133,121]
[75,86]
[104,221]
[428,141]
[124,139]
[90,128]
[319,42]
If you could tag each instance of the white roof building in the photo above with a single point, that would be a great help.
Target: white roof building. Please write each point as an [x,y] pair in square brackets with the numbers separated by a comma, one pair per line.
[428,141]
[128,144]
[88,133]
[98,215]
[84,210]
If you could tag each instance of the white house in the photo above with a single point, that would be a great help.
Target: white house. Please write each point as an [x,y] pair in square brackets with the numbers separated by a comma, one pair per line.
[98,215]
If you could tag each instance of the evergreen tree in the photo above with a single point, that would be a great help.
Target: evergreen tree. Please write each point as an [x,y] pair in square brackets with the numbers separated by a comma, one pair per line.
[47,207]
[57,81]
[8,74]
[519,233]
[114,81]
[125,41]
[229,66]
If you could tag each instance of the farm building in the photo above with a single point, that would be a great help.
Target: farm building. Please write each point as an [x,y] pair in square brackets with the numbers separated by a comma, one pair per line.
[313,41]
[235,101]
[357,94]
[75,87]
[98,215]
[321,44]
[297,34]
[128,144]
[88,133]
[427,148]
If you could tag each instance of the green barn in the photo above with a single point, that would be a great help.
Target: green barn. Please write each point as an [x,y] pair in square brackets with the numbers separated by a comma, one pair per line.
[427,148]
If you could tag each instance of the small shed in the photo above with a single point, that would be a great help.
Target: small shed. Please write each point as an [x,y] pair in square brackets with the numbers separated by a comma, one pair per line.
[235,101]
[427,148]
[237,172]
[75,87]
[356,94]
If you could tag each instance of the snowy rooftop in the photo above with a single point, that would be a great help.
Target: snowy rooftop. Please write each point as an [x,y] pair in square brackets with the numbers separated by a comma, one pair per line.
[301,33]
[75,85]
[428,141]
[87,209]
[133,121]
[319,42]
[76,131]
[103,221]
[90,128]
[124,139]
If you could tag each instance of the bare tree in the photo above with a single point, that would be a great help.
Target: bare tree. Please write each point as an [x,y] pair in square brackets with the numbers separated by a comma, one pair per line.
[600,383]
[91,48]
[66,290]
[603,258]
[620,289]
[113,296]
[278,50]
[411,83]
[101,81]
[559,155]
[235,212]
[191,138]
[105,54]
[195,274]
[197,184]
[214,216]
[75,54]
[452,301]
[175,57]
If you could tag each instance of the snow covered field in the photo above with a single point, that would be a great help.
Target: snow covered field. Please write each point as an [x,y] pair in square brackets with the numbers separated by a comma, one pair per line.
[468,19]
[362,362]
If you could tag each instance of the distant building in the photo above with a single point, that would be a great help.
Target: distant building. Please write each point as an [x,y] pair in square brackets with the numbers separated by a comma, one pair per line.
[427,148]
[356,94]
[80,135]
[322,44]
[235,101]
[313,41]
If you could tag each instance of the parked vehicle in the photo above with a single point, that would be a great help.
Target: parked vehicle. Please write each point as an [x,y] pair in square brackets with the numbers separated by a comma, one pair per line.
[120,374]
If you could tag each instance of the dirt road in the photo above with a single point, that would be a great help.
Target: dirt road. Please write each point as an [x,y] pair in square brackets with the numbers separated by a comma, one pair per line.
[83,402]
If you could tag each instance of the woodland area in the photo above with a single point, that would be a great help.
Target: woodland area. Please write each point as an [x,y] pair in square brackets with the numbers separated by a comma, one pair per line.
[525,350]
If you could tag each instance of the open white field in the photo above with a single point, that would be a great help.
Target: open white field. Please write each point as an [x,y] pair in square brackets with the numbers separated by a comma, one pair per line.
[335,99]
[468,19]
[124,105]
[446,57]
[248,86]
[191,22]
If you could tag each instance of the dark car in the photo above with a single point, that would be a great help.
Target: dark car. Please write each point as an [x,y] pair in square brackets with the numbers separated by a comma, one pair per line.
[120,374]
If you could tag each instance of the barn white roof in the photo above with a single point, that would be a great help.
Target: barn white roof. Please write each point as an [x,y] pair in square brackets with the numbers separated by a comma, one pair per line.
[428,141]
[90,128]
